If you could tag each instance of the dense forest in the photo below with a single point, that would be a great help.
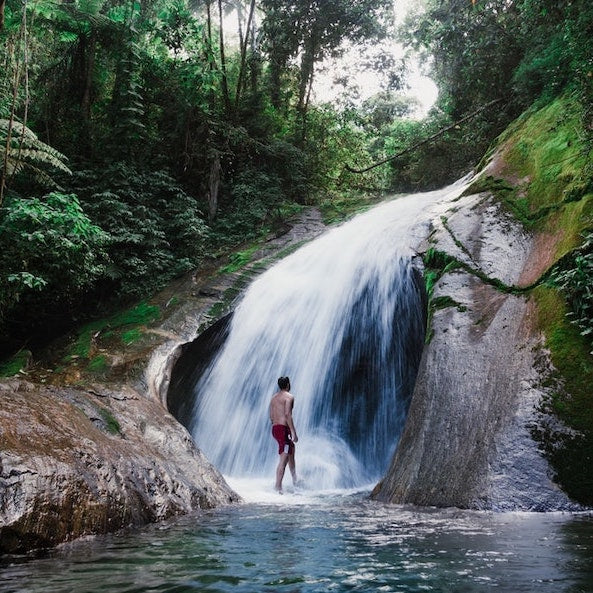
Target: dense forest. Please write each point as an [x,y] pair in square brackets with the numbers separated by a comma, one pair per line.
[139,139]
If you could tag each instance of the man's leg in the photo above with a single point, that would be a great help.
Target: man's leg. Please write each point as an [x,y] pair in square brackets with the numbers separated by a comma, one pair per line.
[292,465]
[280,470]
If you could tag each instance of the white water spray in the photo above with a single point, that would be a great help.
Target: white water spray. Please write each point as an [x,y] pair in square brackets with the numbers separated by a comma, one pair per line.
[343,318]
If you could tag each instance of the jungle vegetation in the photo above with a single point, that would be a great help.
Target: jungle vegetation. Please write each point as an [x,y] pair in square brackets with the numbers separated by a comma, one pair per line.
[138,139]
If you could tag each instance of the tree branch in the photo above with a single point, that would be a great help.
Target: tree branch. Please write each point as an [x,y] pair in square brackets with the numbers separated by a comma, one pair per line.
[422,142]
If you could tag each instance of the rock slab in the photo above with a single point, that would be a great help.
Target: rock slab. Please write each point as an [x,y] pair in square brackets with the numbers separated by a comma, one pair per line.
[467,440]
[76,462]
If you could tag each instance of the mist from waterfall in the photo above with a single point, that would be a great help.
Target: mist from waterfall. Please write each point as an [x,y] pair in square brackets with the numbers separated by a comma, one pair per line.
[344,318]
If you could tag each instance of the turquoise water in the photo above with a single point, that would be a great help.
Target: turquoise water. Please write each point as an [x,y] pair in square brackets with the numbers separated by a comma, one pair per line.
[340,541]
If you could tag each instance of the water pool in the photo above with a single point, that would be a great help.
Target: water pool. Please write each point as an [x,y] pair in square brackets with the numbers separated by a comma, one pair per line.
[317,542]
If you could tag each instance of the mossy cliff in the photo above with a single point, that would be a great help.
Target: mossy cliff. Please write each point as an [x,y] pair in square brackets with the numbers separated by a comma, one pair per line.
[502,413]
[546,162]
[547,156]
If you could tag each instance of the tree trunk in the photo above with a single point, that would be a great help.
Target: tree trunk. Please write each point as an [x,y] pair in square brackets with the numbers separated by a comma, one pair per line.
[225,84]
[89,64]
[215,170]
[209,36]
[244,42]
[2,2]
[239,8]
[306,71]
[275,83]
[305,108]
[255,67]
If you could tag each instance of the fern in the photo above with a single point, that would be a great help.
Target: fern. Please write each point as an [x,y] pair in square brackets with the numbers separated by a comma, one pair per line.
[25,152]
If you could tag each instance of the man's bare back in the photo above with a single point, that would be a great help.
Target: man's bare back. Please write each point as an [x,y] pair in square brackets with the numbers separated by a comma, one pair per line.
[281,411]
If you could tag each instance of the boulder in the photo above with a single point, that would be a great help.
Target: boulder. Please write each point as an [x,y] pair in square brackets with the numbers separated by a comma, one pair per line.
[78,462]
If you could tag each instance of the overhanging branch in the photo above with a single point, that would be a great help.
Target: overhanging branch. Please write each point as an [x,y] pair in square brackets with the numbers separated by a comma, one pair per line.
[425,141]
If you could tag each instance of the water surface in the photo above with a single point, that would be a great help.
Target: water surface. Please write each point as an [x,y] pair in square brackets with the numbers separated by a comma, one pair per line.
[317,542]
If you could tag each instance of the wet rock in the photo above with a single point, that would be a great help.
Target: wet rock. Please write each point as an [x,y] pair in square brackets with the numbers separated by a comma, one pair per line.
[75,463]
[468,439]
[107,454]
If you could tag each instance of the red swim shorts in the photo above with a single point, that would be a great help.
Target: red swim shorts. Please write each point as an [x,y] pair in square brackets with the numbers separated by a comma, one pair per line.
[282,434]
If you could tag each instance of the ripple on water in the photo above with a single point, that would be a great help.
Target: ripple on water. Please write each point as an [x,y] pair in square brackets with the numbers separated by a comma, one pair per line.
[333,542]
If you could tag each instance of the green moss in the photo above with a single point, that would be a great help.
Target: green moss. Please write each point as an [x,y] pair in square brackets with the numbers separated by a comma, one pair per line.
[141,314]
[436,263]
[131,336]
[106,329]
[489,184]
[82,345]
[571,398]
[570,352]
[573,220]
[338,208]
[239,260]
[287,210]
[223,306]
[15,364]
[444,302]
[111,422]
[547,149]
[430,279]
[98,364]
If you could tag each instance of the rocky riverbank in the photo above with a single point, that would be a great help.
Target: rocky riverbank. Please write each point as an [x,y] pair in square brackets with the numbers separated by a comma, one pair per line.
[87,444]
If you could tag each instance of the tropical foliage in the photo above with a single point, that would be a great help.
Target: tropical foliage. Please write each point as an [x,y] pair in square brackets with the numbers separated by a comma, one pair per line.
[576,280]
[51,254]
[517,51]
[137,139]
[168,132]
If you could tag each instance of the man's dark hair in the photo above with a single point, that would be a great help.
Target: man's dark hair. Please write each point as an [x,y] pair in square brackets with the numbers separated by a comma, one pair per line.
[284,383]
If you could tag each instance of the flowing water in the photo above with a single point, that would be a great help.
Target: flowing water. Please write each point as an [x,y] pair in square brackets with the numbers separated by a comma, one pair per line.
[343,318]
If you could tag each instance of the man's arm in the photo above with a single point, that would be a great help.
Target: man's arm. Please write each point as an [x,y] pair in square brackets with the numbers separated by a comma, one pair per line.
[288,411]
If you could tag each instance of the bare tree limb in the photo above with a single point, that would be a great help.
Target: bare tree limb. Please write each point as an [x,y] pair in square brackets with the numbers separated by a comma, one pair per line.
[422,142]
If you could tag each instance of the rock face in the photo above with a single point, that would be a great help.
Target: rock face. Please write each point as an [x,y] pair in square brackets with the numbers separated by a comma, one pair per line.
[467,440]
[79,462]
[94,453]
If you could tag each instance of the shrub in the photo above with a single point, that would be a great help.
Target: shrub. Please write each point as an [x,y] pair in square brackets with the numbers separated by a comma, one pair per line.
[156,229]
[49,248]
[576,280]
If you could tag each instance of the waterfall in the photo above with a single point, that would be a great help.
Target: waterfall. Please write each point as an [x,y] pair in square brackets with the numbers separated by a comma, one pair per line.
[344,318]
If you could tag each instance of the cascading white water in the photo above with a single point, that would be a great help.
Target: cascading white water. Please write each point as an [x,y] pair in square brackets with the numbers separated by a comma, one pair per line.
[343,318]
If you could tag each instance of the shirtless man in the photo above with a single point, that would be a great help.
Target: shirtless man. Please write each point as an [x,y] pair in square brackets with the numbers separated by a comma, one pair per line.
[283,430]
